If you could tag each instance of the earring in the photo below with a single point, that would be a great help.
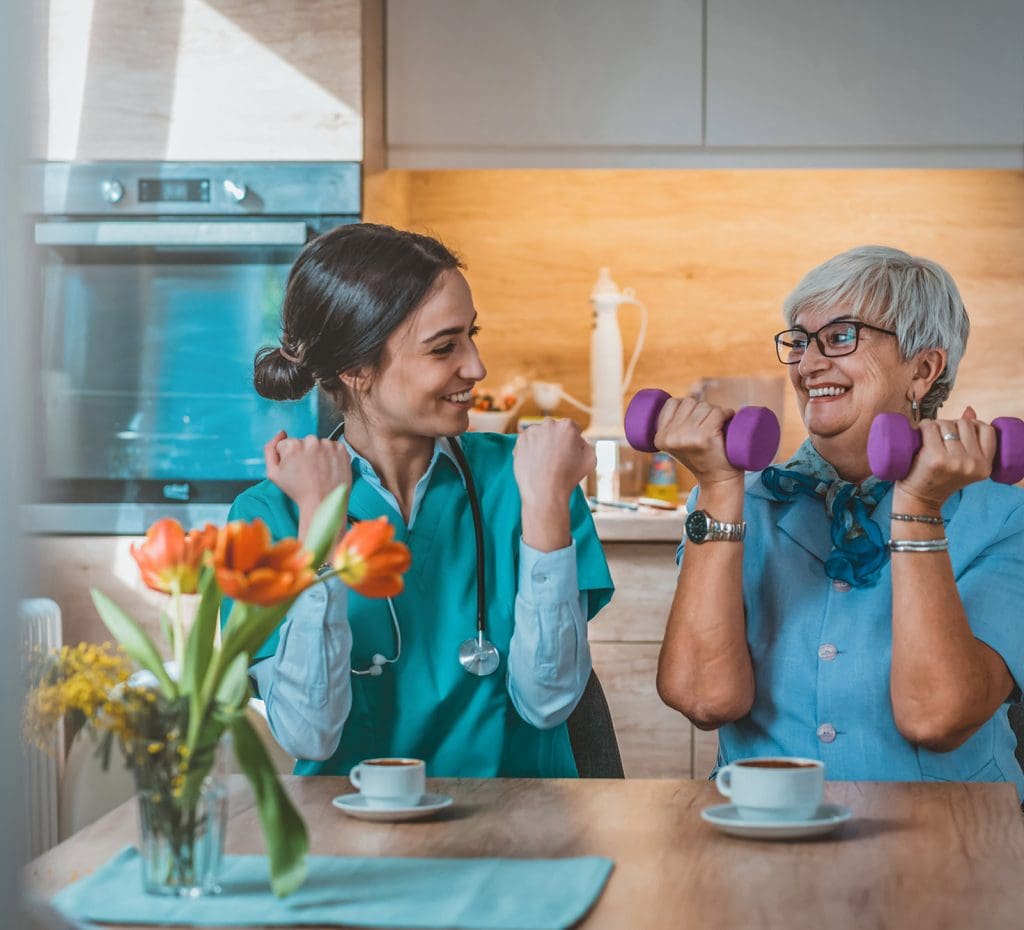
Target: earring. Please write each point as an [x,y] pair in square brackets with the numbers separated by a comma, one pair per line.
[915,411]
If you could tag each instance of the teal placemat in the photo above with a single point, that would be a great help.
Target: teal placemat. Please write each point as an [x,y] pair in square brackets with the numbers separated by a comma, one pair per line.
[505,894]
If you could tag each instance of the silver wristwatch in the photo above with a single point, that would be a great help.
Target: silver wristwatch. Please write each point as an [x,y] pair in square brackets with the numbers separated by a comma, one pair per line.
[701,527]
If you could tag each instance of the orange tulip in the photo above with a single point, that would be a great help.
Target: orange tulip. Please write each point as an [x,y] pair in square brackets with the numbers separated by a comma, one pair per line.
[170,558]
[251,569]
[369,562]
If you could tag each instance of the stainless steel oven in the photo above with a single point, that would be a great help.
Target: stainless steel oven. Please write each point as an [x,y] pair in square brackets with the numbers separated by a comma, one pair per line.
[158,283]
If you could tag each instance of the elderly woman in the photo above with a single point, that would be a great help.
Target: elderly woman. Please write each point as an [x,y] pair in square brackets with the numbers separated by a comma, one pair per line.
[824,613]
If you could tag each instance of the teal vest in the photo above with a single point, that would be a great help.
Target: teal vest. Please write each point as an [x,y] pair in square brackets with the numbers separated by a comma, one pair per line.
[426,705]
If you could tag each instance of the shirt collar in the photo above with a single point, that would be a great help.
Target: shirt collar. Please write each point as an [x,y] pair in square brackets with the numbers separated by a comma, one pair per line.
[362,466]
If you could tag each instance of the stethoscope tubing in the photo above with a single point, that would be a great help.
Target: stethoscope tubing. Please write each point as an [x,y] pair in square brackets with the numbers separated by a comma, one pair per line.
[478,537]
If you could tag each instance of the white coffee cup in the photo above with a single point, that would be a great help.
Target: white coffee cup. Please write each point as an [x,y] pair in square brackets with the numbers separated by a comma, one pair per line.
[390,782]
[773,788]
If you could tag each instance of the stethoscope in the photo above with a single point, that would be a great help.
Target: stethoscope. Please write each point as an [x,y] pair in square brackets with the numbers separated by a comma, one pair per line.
[477,655]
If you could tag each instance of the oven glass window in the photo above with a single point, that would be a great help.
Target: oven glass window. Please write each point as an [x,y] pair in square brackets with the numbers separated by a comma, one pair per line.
[147,358]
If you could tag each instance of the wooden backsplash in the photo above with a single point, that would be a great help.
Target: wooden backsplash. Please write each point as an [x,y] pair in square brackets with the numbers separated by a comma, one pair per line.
[712,254]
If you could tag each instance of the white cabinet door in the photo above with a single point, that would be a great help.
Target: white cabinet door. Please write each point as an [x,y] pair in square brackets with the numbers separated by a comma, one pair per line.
[528,74]
[865,73]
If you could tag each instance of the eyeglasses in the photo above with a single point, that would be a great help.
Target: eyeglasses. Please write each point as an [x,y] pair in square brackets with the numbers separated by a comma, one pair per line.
[833,339]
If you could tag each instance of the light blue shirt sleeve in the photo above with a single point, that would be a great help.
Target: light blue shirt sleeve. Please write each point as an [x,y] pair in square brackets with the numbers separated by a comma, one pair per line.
[306,684]
[549,656]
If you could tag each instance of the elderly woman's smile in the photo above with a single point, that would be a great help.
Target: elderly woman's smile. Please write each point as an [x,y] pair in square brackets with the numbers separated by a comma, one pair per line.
[845,371]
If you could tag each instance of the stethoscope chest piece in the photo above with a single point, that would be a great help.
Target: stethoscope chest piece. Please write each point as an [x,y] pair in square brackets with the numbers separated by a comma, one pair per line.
[479,656]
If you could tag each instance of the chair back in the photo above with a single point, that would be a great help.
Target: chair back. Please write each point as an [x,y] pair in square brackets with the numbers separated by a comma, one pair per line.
[592,735]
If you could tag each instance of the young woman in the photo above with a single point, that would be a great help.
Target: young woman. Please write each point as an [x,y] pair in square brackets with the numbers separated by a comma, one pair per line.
[382,321]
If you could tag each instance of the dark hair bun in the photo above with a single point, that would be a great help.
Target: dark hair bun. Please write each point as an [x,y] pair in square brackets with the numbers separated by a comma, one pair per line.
[279,378]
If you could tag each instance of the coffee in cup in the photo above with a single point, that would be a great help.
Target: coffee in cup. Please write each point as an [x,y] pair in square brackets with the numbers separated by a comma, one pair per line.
[773,788]
[390,782]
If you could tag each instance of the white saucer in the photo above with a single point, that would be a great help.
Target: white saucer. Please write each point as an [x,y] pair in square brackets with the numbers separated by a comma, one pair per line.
[726,818]
[355,806]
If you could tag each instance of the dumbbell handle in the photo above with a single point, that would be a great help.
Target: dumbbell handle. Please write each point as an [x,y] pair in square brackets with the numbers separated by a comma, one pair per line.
[893,443]
[751,435]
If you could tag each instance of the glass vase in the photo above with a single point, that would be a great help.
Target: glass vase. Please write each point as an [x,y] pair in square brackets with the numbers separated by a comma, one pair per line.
[182,834]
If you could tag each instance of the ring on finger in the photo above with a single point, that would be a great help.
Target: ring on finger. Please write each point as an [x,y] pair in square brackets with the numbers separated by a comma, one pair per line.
[950,437]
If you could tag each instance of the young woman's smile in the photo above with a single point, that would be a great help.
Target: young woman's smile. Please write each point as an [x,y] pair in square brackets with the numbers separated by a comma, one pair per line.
[431,364]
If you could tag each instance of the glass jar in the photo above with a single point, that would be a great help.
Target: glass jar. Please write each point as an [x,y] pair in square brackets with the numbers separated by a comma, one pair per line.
[183,831]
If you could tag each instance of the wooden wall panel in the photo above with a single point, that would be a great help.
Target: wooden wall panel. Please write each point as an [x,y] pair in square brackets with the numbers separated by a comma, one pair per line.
[713,254]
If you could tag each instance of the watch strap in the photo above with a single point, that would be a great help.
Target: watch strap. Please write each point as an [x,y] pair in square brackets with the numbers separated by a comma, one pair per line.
[726,532]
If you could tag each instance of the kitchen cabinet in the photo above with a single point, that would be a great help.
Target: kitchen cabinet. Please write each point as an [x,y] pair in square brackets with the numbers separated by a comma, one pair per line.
[713,84]
[654,740]
[282,80]
[868,74]
[492,79]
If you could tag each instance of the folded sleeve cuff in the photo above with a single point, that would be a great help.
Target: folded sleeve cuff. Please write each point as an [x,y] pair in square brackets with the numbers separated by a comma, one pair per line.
[547,578]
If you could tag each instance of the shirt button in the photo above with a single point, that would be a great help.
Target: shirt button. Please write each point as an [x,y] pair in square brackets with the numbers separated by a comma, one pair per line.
[840,585]
[827,652]
[826,732]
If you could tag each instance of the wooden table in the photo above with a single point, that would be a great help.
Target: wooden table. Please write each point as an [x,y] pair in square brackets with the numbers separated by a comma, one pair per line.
[933,856]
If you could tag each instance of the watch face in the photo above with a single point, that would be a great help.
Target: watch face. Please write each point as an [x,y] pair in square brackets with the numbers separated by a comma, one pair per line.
[697,525]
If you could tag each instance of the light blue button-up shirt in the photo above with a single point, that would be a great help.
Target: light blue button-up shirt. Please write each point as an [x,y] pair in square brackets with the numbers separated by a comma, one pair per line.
[306,685]
[821,650]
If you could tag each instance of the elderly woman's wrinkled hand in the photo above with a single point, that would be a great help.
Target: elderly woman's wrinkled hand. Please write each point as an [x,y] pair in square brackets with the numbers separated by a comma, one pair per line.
[953,454]
[693,431]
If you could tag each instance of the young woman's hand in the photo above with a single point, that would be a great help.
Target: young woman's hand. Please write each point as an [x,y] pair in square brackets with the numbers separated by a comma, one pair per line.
[953,454]
[307,470]
[549,461]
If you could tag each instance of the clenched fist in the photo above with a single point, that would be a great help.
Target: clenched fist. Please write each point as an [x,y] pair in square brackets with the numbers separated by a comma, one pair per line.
[694,432]
[307,470]
[549,461]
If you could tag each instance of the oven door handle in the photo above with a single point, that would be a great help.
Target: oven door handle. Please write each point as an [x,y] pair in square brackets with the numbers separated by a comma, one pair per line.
[140,233]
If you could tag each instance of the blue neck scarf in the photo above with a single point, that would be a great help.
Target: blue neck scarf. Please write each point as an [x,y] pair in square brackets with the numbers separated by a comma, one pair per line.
[859,551]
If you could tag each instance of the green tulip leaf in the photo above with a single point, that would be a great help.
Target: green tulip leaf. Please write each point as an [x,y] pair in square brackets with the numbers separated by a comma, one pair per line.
[323,528]
[233,688]
[200,639]
[167,628]
[284,831]
[134,640]
[252,630]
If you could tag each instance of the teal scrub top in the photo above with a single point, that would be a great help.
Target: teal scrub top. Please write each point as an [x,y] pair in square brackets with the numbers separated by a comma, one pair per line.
[426,705]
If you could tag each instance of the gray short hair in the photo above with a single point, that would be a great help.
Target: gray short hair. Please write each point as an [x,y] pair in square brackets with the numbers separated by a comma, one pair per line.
[916,298]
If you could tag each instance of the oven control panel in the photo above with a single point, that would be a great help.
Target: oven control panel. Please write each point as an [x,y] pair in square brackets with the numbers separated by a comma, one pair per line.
[162,189]
[174,190]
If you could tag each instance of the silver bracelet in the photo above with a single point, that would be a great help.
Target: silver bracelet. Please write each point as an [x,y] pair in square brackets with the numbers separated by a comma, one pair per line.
[917,518]
[919,545]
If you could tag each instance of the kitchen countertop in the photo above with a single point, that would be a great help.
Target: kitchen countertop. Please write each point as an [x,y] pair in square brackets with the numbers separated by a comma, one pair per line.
[643,525]
[613,524]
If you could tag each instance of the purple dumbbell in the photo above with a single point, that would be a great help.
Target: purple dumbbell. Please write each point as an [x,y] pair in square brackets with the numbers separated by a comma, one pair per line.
[751,435]
[893,443]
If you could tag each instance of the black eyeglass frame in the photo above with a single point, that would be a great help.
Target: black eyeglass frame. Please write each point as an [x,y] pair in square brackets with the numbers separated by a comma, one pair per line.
[857,325]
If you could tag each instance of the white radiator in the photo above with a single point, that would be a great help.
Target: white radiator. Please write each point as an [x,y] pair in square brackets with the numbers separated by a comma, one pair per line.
[40,620]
